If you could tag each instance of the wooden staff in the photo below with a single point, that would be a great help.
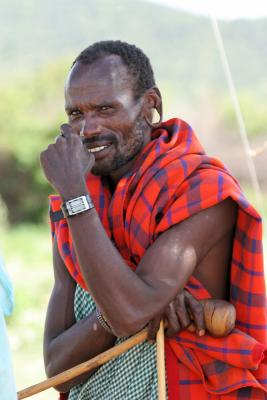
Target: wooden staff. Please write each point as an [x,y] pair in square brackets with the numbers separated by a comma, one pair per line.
[219,320]
[161,363]
[84,367]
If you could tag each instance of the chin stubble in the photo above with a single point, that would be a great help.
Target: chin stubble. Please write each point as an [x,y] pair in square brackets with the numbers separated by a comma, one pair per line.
[125,153]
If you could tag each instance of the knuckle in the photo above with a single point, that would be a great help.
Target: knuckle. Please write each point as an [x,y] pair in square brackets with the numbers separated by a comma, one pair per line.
[174,325]
[42,154]
[198,309]
[172,332]
[171,308]
[64,126]
[179,297]
[180,308]
[75,139]
[185,321]
[184,324]
[50,147]
[168,312]
[59,139]
[187,294]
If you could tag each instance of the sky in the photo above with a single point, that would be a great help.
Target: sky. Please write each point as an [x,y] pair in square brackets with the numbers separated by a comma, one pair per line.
[224,9]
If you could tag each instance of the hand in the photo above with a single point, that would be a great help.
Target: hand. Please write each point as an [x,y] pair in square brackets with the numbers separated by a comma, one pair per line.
[66,162]
[184,312]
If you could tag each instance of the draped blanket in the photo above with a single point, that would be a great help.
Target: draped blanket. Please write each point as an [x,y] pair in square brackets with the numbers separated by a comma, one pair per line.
[173,179]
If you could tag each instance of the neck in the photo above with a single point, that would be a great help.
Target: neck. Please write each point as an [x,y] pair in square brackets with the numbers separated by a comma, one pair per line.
[119,173]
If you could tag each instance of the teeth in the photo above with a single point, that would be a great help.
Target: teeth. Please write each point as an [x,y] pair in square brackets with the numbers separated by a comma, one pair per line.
[97,149]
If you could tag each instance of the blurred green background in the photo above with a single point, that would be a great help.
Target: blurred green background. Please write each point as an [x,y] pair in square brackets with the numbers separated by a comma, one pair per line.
[39,40]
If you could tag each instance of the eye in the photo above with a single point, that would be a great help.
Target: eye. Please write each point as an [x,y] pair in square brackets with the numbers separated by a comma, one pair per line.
[74,114]
[104,108]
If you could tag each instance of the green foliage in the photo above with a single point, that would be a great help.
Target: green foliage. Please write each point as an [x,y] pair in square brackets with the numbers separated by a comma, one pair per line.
[27,253]
[32,109]
[253,110]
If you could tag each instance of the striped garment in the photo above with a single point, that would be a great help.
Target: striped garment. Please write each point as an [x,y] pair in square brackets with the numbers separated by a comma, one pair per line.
[173,179]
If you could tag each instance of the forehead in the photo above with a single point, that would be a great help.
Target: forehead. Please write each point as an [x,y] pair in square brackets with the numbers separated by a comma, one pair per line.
[107,75]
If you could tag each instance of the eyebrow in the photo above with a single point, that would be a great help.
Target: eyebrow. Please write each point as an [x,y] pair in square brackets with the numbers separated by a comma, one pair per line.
[69,108]
[104,103]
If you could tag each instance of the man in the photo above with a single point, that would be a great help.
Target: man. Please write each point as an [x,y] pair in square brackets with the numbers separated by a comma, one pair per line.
[147,213]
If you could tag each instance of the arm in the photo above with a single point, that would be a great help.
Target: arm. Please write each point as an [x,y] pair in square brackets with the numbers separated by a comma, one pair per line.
[162,273]
[130,300]
[67,342]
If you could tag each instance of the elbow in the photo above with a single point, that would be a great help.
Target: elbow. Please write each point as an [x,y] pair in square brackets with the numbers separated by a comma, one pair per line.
[135,317]
[52,367]
[49,360]
[126,330]
[129,325]
[52,371]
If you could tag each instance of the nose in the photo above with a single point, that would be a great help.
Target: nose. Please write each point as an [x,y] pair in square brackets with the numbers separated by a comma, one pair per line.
[90,126]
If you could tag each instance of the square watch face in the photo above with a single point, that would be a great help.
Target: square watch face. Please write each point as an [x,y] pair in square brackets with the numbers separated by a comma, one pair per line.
[77,205]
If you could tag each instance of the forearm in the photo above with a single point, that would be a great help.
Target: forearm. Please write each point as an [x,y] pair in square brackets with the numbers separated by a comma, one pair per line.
[118,291]
[67,342]
[82,341]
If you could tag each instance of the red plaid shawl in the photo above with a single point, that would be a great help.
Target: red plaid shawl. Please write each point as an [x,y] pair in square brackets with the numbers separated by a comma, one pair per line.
[173,179]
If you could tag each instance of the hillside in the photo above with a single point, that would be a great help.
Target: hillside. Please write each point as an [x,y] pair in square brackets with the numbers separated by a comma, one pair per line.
[40,39]
[181,46]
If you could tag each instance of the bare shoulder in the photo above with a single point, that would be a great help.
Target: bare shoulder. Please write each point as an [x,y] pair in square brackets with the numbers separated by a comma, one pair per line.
[214,222]
[176,254]
[204,229]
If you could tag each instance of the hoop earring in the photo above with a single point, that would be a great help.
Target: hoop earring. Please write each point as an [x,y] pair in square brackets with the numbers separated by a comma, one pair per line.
[154,125]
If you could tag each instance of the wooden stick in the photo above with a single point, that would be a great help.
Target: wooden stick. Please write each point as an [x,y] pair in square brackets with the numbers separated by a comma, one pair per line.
[161,363]
[84,367]
[225,322]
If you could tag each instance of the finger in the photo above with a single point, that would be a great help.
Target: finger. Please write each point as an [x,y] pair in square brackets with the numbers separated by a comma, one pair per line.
[191,327]
[197,312]
[60,139]
[153,328]
[70,137]
[173,322]
[46,156]
[181,311]
[66,131]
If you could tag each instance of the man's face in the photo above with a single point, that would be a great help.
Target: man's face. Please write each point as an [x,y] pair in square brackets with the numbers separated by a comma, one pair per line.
[100,104]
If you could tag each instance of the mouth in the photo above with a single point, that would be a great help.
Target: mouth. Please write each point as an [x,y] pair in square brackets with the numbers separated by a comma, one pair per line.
[101,146]
[97,149]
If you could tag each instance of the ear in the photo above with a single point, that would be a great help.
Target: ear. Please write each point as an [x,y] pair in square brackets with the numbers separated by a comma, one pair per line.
[152,101]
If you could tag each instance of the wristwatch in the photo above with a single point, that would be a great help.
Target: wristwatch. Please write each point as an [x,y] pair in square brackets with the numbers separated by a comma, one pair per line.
[77,206]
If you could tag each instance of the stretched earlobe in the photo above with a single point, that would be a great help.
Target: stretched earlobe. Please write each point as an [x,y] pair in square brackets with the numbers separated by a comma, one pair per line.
[155,125]
[153,102]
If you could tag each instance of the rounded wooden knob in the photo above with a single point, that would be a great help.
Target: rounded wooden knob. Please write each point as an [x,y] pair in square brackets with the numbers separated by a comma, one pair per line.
[219,316]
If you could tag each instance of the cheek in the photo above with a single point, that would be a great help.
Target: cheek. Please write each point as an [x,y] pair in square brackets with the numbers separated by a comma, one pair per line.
[127,125]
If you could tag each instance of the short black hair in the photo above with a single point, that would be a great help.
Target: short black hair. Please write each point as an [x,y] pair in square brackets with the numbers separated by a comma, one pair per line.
[137,62]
